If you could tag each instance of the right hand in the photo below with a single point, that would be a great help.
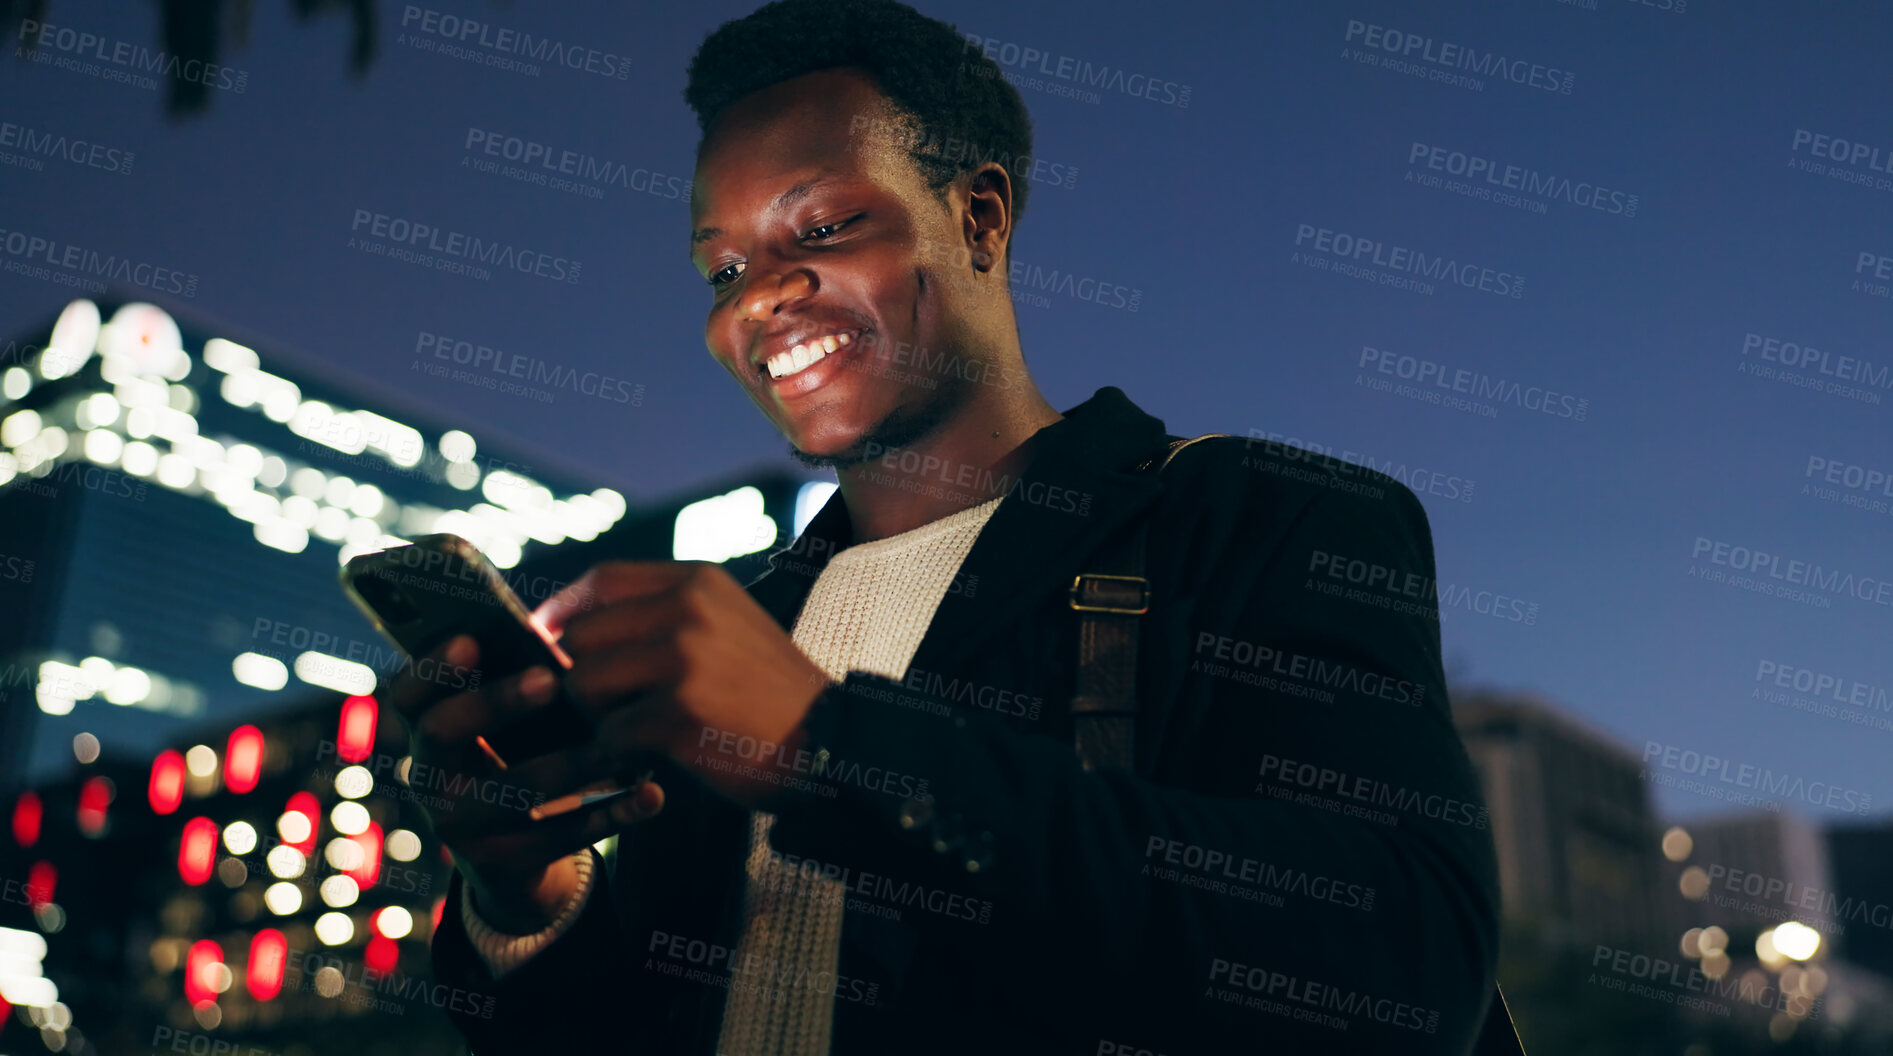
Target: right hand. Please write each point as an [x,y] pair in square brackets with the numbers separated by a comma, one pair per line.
[517,870]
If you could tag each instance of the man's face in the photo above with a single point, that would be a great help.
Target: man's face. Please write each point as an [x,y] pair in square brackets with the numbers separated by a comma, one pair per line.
[811,227]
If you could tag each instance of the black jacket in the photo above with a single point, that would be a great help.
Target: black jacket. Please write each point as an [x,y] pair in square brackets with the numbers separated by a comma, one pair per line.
[1300,862]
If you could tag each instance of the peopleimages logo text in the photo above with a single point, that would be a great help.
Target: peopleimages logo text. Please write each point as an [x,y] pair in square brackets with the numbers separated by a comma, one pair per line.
[1350,1003]
[532,368]
[471,31]
[1798,356]
[1797,895]
[579,165]
[464,246]
[1877,590]
[1477,384]
[83,261]
[38,144]
[1326,780]
[1687,978]
[1419,48]
[1845,151]
[1357,249]
[1754,778]
[1080,71]
[1824,684]
[1582,193]
[132,56]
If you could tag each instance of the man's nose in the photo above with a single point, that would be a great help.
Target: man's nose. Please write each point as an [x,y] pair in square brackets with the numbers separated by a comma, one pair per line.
[767,295]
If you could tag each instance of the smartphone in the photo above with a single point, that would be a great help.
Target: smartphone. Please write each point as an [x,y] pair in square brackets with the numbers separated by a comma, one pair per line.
[424,593]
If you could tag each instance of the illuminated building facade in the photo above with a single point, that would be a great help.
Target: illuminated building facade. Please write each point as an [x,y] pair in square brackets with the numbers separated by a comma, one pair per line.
[174,511]
[267,882]
[175,505]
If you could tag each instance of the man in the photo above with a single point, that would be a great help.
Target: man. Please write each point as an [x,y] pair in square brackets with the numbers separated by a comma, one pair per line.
[870,832]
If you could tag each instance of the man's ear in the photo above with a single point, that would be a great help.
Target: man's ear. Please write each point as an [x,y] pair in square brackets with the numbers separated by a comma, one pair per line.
[988,218]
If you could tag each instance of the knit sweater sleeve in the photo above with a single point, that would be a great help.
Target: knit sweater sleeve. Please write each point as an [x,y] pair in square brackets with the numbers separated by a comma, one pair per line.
[503,953]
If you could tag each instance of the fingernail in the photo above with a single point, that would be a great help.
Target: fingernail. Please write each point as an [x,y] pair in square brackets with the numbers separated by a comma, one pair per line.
[460,651]
[536,685]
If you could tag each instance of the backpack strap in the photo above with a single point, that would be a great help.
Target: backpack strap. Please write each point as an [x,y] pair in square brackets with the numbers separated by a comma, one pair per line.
[1104,704]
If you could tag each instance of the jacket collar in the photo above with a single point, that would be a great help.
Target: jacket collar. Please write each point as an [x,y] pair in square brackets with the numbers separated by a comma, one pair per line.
[1080,484]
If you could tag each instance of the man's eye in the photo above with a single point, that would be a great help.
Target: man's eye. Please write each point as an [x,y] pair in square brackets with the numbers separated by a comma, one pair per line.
[714,278]
[831,228]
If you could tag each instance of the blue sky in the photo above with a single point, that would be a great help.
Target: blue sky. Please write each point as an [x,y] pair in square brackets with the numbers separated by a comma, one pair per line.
[1296,124]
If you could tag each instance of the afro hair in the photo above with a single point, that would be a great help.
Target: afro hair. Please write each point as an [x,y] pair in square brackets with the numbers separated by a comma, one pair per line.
[959,110]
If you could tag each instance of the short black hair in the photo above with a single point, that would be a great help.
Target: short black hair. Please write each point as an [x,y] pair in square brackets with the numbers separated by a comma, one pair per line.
[958,107]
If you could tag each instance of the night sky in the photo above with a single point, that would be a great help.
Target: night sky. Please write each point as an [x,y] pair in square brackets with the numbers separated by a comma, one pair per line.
[1225,216]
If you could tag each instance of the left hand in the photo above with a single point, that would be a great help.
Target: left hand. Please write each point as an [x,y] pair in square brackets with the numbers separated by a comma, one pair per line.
[675,656]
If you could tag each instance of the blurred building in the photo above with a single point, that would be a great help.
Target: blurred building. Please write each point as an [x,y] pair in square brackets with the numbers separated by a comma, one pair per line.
[1861,861]
[174,506]
[1572,822]
[1586,869]
[68,844]
[209,833]
[171,502]
[1761,904]
[1750,870]
[259,883]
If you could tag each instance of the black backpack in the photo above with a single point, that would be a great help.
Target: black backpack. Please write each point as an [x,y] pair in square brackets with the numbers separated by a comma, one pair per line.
[1104,700]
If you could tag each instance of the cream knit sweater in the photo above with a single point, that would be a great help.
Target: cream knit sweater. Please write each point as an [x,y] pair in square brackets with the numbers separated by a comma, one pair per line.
[867,611]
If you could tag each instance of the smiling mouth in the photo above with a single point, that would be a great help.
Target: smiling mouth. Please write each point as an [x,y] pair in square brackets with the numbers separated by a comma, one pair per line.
[803,356]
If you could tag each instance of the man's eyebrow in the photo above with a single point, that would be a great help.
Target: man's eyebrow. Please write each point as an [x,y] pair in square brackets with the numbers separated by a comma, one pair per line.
[788,197]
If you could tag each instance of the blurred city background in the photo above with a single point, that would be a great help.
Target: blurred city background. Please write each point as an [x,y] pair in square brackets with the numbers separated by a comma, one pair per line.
[210,838]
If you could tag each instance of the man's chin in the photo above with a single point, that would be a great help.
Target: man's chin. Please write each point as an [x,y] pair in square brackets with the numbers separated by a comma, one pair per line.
[853,456]
[899,429]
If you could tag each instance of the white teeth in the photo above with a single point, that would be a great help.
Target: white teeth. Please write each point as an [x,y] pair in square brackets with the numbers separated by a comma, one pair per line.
[802,356]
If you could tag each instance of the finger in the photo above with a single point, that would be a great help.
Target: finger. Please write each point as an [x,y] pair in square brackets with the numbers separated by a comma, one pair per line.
[623,622]
[593,793]
[496,803]
[491,707]
[645,802]
[609,682]
[609,582]
[634,733]
[558,836]
[410,695]
[633,803]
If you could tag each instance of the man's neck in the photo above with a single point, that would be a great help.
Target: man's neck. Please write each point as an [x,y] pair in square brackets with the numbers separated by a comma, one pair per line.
[967,462]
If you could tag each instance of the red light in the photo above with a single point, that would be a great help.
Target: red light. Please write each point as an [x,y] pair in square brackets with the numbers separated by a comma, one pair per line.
[268,952]
[94,796]
[440,906]
[26,814]
[167,782]
[200,971]
[369,840]
[305,804]
[243,759]
[355,735]
[381,955]
[197,851]
[40,881]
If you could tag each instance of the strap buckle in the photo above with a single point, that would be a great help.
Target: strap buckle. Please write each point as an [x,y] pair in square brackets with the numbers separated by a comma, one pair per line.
[1143,588]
